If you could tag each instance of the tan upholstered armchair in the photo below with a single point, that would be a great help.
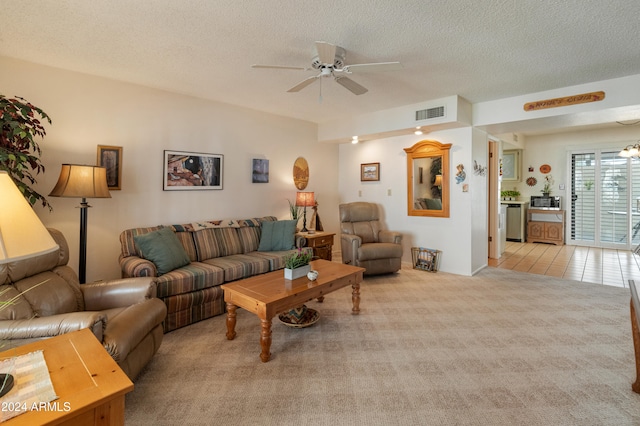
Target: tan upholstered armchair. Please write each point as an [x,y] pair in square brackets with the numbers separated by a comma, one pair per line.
[46,300]
[363,241]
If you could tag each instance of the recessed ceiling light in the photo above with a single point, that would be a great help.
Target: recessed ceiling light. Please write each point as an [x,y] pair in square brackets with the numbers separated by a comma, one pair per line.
[354,139]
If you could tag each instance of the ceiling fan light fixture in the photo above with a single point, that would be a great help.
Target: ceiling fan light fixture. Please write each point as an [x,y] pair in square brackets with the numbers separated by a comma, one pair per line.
[330,61]
[630,151]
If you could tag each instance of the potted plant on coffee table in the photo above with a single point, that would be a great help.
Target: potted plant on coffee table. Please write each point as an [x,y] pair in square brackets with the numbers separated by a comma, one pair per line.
[297,265]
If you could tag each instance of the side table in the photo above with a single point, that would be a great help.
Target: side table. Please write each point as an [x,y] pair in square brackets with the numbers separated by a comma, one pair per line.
[321,242]
[90,385]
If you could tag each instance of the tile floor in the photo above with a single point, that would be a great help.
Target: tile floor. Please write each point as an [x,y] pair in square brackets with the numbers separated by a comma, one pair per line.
[589,264]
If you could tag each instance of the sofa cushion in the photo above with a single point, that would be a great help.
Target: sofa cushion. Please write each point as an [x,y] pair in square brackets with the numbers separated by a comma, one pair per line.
[207,245]
[228,241]
[163,248]
[240,266]
[379,251]
[249,238]
[276,259]
[192,277]
[277,236]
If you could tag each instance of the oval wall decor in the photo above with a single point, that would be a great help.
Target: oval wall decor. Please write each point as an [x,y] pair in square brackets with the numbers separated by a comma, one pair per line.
[545,168]
[300,173]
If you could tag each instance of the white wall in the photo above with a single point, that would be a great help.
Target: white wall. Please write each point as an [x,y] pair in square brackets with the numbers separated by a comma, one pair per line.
[462,236]
[88,111]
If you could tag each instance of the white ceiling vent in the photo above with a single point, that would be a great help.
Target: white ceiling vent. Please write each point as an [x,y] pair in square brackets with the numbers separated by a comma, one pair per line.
[425,114]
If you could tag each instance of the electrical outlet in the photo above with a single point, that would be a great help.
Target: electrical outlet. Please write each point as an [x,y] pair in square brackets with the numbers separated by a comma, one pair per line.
[359,193]
[561,187]
[388,192]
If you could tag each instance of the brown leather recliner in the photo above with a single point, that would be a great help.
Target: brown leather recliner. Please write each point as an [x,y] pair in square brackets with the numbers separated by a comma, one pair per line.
[47,300]
[363,241]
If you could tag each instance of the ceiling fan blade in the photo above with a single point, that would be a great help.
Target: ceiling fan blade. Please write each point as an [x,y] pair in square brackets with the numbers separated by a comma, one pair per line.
[351,85]
[304,83]
[326,52]
[375,67]
[279,67]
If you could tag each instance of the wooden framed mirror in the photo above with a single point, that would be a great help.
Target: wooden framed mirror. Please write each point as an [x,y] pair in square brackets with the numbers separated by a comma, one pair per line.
[428,179]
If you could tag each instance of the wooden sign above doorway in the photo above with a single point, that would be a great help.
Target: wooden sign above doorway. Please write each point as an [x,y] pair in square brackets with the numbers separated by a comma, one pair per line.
[566,101]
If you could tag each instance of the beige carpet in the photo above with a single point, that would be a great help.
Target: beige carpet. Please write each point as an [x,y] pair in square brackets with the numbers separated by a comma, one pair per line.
[500,348]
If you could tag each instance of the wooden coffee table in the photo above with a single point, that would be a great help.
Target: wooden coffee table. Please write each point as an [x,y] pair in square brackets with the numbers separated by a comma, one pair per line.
[267,295]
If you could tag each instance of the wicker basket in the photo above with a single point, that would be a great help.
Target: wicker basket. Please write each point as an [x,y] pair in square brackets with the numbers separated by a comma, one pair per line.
[426,259]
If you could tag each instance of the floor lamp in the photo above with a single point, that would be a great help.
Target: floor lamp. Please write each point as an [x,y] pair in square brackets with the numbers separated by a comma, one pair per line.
[80,181]
[22,236]
[305,199]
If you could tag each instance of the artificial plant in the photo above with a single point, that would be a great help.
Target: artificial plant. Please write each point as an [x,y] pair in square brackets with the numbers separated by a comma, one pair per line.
[19,151]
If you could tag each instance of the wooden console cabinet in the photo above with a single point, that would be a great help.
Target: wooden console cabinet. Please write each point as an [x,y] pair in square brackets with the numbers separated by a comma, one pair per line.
[321,242]
[545,226]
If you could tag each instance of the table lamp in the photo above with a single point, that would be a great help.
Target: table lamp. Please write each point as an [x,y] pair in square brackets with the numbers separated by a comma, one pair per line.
[304,199]
[22,236]
[80,181]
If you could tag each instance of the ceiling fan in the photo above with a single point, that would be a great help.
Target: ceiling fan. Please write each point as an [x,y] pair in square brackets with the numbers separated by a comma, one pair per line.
[330,62]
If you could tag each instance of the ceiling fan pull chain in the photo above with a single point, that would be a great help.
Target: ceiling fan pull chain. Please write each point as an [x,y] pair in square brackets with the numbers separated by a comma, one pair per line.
[320,96]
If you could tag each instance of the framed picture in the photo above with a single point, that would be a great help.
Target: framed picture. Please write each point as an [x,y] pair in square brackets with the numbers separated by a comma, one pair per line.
[260,171]
[190,171]
[110,157]
[370,171]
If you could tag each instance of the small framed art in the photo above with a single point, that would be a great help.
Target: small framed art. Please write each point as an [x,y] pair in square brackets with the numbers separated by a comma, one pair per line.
[370,171]
[260,171]
[110,157]
[189,171]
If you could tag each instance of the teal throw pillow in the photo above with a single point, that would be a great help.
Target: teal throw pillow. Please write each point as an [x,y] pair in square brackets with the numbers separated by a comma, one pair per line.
[278,235]
[433,203]
[163,248]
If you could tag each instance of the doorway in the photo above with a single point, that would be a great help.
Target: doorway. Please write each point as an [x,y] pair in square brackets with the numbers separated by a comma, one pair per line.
[494,214]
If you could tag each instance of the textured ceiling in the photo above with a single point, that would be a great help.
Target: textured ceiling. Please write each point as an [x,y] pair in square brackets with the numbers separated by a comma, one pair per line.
[480,50]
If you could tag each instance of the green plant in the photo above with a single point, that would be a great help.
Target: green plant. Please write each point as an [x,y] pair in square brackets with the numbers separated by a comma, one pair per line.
[509,193]
[588,184]
[19,152]
[548,183]
[294,210]
[297,259]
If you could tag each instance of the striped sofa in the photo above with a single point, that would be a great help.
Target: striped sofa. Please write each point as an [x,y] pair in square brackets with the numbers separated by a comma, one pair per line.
[220,251]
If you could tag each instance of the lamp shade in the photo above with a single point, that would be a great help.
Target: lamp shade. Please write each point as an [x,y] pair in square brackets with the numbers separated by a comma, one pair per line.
[22,235]
[80,181]
[438,180]
[305,199]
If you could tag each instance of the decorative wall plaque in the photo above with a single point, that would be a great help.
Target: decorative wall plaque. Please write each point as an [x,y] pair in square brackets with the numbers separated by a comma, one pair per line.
[566,101]
[300,173]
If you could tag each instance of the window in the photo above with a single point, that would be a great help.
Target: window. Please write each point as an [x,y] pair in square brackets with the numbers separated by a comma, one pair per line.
[605,196]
